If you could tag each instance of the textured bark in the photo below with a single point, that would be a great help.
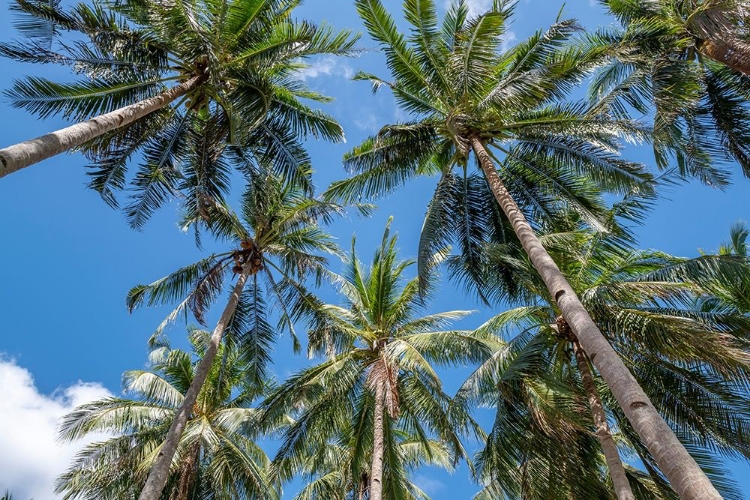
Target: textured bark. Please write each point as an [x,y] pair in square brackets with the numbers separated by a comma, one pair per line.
[157,478]
[734,55]
[24,154]
[614,463]
[683,473]
[378,444]
[188,473]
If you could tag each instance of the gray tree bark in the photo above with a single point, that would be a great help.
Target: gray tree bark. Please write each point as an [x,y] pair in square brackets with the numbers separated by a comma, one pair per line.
[612,456]
[24,154]
[159,473]
[683,473]
[378,444]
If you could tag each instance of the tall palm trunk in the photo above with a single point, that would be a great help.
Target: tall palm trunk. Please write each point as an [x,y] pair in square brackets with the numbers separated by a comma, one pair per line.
[614,464]
[684,474]
[24,154]
[378,443]
[157,478]
[734,55]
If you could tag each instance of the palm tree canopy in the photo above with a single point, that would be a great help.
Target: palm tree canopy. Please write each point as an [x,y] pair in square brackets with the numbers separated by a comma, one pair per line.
[247,55]
[376,337]
[216,458]
[278,233]
[456,82]
[699,104]
[662,315]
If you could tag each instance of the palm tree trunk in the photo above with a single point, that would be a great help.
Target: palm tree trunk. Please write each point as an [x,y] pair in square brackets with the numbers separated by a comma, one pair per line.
[730,54]
[157,478]
[21,155]
[378,444]
[189,471]
[614,464]
[683,473]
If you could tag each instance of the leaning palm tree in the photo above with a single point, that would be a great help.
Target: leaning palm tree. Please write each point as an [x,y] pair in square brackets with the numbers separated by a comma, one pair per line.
[378,389]
[466,96]
[278,241]
[217,457]
[231,62]
[687,63]
[652,307]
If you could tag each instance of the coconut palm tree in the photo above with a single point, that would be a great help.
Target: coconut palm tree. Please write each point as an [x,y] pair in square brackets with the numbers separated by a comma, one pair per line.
[277,241]
[232,63]
[378,389]
[685,62]
[331,473]
[467,97]
[217,457]
[652,308]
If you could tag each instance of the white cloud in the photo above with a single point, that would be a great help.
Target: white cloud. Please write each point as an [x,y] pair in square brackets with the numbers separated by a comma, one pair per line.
[429,485]
[30,455]
[476,6]
[508,40]
[326,66]
[369,122]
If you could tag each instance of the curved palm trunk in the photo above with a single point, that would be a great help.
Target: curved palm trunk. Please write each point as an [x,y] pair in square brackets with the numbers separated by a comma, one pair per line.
[21,155]
[730,54]
[157,478]
[683,473]
[614,463]
[378,444]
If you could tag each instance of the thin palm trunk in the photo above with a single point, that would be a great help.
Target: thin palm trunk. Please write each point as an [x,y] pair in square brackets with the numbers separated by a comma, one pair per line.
[157,478]
[731,54]
[684,474]
[189,471]
[378,444]
[21,155]
[614,463]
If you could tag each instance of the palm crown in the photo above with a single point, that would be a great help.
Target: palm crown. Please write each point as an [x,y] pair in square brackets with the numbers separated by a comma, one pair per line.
[378,395]
[277,241]
[683,344]
[241,59]
[217,457]
[457,84]
[665,63]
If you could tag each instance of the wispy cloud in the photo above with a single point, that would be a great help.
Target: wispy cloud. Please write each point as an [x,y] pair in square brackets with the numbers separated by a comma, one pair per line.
[476,6]
[30,455]
[326,66]
[428,484]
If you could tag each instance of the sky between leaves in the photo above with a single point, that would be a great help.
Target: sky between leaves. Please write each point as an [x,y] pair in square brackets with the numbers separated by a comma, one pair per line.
[67,260]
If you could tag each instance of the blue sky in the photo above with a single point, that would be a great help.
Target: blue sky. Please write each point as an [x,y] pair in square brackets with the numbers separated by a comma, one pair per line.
[67,260]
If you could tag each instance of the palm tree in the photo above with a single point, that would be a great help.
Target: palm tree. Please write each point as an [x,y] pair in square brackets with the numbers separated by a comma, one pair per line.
[687,63]
[652,308]
[339,470]
[468,97]
[276,238]
[714,29]
[235,65]
[217,456]
[378,390]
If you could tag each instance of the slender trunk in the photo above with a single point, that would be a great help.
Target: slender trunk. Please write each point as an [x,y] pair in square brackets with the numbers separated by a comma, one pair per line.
[362,487]
[614,464]
[734,55]
[24,154]
[189,471]
[378,444]
[684,474]
[157,478]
